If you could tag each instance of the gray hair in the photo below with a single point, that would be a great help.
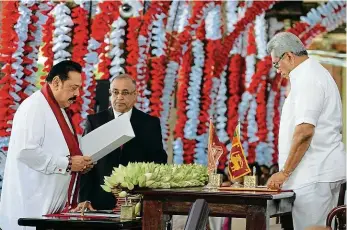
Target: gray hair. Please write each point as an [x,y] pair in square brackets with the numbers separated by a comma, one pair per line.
[124,76]
[286,42]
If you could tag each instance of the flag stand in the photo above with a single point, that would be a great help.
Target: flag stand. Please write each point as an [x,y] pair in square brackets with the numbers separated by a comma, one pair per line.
[214,181]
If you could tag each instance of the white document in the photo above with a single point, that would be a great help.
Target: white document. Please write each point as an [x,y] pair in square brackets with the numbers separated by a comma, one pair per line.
[107,137]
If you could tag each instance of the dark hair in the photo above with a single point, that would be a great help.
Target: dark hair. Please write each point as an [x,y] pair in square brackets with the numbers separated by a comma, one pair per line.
[62,69]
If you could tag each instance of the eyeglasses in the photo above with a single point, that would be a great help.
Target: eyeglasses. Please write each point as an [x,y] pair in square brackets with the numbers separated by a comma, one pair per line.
[123,93]
[276,64]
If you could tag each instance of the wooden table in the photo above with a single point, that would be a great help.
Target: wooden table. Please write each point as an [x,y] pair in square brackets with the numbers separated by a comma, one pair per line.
[256,207]
[63,223]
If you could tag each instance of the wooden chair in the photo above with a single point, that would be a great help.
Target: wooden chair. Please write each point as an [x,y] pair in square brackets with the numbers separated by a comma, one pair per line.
[339,212]
[340,218]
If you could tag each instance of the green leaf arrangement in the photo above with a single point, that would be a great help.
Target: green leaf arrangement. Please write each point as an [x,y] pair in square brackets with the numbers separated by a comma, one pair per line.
[151,175]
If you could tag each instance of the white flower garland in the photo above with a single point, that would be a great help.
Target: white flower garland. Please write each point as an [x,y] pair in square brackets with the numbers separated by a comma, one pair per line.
[144,44]
[214,93]
[213,33]
[63,25]
[274,26]
[231,15]
[250,68]
[115,53]
[172,15]
[221,109]
[261,35]
[332,21]
[315,15]
[193,103]
[200,149]
[183,14]
[30,89]
[252,127]
[91,59]
[158,38]
[326,16]
[21,29]
[169,83]
[178,151]
[213,23]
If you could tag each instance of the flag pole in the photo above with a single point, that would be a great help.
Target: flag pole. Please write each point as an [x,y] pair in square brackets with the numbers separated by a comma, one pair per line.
[239,129]
[210,140]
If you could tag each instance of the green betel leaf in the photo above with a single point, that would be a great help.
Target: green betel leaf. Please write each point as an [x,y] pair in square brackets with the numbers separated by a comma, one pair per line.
[122,194]
[130,186]
[106,188]
[153,175]
[149,183]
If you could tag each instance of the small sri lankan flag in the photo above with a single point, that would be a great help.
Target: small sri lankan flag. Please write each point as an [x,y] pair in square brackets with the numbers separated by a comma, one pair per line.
[238,165]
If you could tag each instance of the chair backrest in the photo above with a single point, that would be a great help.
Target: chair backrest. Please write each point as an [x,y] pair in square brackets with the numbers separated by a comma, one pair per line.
[340,214]
[341,200]
[198,216]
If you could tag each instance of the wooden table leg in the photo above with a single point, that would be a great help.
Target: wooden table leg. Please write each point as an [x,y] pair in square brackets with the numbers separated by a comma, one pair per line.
[257,218]
[152,218]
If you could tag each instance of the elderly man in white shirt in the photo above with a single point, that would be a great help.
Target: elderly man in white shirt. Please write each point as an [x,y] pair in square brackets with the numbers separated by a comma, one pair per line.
[312,159]
[44,160]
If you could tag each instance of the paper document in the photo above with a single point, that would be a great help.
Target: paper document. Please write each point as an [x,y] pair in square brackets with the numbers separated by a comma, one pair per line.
[107,137]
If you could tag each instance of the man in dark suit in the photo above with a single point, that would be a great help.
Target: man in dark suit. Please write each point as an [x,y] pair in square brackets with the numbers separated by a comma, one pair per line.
[146,146]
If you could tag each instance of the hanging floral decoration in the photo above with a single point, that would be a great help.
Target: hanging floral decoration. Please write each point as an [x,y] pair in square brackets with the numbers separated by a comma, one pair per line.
[163,45]
[79,42]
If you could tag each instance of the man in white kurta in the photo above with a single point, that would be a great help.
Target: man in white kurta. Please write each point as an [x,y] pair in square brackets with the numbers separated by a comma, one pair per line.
[312,158]
[36,180]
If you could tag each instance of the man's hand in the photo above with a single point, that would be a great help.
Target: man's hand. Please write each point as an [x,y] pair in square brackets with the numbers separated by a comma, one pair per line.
[276,180]
[89,166]
[83,207]
[81,163]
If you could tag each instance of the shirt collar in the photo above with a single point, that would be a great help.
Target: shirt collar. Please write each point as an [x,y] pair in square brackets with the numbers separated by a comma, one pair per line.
[116,114]
[296,71]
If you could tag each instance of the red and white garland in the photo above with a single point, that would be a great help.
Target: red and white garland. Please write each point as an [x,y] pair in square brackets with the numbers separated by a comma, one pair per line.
[158,49]
[80,39]
[9,47]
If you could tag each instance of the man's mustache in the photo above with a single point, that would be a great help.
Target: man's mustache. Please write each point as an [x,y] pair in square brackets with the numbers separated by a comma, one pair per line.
[73,98]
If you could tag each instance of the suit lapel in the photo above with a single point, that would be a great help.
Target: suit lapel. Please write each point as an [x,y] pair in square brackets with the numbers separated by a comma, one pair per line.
[134,119]
[110,114]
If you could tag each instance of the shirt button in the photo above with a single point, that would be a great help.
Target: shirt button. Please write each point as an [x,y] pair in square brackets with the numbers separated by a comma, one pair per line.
[59,170]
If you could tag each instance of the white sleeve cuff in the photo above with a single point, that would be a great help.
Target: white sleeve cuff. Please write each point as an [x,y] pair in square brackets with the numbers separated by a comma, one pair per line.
[61,165]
